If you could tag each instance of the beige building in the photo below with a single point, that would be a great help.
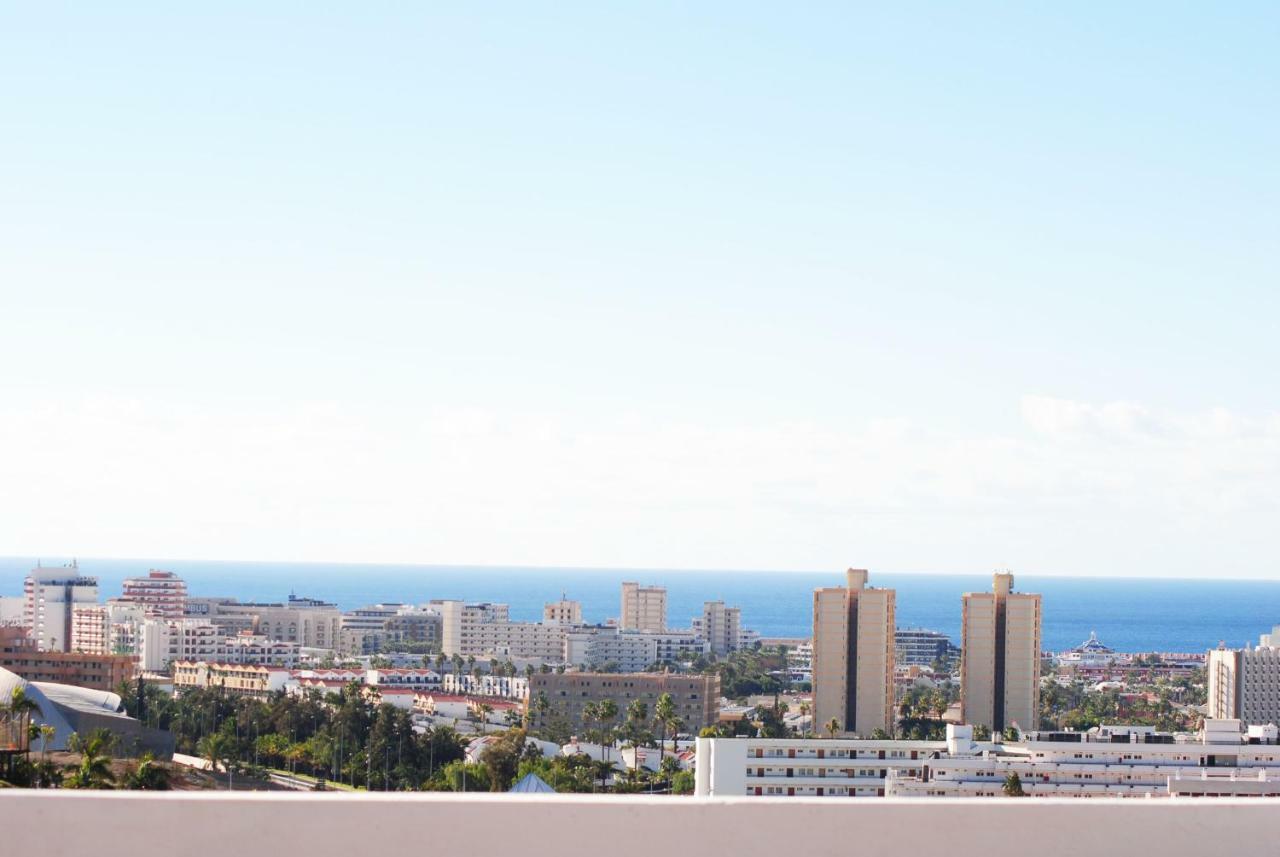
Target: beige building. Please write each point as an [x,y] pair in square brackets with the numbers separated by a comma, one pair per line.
[1244,684]
[562,612]
[644,608]
[1000,658]
[310,624]
[243,679]
[853,654]
[720,627]
[696,697]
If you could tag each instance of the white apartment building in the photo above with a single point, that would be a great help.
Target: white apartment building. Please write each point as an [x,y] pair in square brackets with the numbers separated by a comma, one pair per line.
[644,608]
[632,651]
[51,595]
[1244,684]
[163,641]
[853,656]
[106,629]
[805,767]
[1000,657]
[720,626]
[504,687]
[1111,762]
[258,650]
[485,630]
[161,593]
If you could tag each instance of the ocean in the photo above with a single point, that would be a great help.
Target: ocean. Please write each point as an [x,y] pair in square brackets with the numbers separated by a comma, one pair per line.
[1128,614]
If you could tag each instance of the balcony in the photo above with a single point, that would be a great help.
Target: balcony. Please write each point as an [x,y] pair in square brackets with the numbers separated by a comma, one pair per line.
[337,825]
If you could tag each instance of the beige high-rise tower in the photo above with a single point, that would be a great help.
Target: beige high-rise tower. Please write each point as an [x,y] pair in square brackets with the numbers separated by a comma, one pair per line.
[1000,663]
[644,608]
[853,630]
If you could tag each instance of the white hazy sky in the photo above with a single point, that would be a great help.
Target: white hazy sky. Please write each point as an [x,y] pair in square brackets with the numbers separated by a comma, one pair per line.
[722,286]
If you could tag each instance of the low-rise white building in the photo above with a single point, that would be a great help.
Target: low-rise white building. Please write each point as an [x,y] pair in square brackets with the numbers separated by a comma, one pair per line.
[1112,761]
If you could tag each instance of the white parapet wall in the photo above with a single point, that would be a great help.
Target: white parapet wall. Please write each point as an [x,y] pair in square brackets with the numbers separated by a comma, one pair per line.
[204,824]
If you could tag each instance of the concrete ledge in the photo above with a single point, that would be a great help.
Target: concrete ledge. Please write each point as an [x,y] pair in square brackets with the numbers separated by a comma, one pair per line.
[335,825]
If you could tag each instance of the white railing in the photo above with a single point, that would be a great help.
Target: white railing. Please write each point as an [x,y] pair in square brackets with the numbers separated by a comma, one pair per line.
[153,824]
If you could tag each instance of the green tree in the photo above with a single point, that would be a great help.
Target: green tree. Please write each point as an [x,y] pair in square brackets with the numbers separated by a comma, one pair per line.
[147,775]
[94,770]
[833,726]
[1013,785]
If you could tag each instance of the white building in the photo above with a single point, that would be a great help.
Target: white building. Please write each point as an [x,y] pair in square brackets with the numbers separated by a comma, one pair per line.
[1115,761]
[51,595]
[485,630]
[631,651]
[106,629]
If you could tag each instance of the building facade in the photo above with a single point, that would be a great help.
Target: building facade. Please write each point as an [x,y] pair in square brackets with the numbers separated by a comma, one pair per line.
[485,630]
[562,612]
[98,672]
[1245,683]
[51,596]
[161,593]
[564,695]
[644,608]
[721,627]
[1000,657]
[853,656]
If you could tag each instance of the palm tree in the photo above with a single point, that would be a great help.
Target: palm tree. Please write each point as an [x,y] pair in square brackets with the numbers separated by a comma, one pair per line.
[664,715]
[214,747]
[147,775]
[833,726]
[22,707]
[441,660]
[590,714]
[94,771]
[804,714]
[484,709]
[1013,785]
[608,712]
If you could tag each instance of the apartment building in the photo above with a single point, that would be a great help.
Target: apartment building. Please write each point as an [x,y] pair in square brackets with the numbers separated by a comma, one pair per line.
[805,767]
[595,646]
[922,647]
[644,608]
[696,697]
[1115,761]
[160,593]
[241,679]
[562,612]
[720,626]
[162,641]
[305,621]
[486,630]
[106,629]
[853,656]
[1244,684]
[98,672]
[51,595]
[498,686]
[1000,657]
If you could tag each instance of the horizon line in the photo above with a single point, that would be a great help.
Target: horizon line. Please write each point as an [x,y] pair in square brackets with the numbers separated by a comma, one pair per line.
[637,569]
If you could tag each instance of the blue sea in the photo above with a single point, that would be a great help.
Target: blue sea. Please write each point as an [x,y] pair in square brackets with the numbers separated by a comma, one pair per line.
[1129,614]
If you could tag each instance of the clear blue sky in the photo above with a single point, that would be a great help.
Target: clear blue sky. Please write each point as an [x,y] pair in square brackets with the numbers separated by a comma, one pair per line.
[692,285]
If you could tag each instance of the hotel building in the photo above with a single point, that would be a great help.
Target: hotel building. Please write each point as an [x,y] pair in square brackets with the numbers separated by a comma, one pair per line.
[51,595]
[696,697]
[644,608]
[1000,657]
[853,656]
[1245,683]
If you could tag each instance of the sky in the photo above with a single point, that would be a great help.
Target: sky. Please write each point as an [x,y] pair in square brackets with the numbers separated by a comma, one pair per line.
[912,287]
